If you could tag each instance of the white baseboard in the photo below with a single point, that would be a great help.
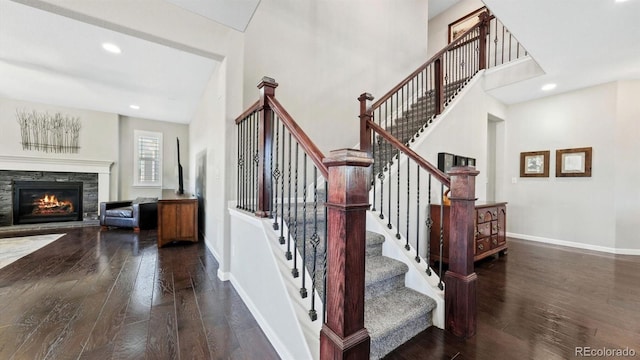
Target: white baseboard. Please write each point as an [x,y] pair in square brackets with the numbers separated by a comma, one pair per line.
[222,275]
[574,244]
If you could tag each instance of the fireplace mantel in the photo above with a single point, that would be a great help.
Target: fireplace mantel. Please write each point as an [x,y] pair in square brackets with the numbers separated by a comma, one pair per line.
[31,163]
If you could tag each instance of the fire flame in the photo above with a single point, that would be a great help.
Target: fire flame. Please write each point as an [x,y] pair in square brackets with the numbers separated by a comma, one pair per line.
[50,204]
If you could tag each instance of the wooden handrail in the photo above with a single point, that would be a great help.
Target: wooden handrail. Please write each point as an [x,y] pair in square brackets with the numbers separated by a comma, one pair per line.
[301,137]
[449,47]
[439,175]
[246,113]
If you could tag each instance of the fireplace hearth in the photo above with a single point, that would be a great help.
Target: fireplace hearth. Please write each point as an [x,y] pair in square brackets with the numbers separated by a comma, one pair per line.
[46,201]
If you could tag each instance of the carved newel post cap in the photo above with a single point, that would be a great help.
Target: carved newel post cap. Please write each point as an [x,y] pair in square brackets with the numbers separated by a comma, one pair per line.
[463,182]
[267,81]
[348,157]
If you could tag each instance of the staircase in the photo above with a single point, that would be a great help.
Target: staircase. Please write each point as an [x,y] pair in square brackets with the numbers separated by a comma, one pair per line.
[393,313]
[408,125]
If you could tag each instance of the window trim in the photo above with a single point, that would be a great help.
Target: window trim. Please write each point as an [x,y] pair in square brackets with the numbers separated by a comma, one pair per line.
[137,134]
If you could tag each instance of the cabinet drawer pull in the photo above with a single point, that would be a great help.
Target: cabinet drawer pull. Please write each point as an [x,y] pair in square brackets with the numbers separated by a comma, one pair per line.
[495,242]
[480,246]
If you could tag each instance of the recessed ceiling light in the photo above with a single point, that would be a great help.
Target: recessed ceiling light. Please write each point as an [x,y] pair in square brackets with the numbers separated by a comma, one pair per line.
[548,87]
[112,48]
[134,107]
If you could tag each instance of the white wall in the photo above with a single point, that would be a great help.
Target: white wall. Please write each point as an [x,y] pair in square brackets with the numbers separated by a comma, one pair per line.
[627,166]
[597,212]
[169,155]
[324,54]
[439,25]
[98,134]
[213,130]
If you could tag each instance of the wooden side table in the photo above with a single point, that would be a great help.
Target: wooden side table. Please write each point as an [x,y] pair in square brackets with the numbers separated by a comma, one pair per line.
[177,218]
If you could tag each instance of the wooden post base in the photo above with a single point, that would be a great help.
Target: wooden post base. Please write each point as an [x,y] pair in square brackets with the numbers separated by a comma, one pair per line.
[460,304]
[355,346]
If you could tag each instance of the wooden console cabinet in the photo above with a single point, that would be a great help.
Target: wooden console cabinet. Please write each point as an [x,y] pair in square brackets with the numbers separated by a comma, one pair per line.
[489,231]
[177,218]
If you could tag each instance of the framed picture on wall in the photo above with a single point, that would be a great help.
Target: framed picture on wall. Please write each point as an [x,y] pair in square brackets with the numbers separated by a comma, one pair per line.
[573,162]
[460,160]
[534,163]
[445,161]
[463,24]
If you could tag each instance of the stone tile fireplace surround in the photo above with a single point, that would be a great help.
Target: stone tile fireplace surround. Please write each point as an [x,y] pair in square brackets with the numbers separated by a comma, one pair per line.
[94,174]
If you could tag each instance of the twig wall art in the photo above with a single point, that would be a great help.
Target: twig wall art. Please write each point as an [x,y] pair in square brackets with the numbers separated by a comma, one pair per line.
[49,133]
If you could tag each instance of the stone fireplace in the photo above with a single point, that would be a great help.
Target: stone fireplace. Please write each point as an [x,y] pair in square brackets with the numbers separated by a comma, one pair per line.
[93,175]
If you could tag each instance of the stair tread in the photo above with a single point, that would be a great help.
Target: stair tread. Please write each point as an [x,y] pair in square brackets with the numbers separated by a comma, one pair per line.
[374,239]
[378,268]
[386,313]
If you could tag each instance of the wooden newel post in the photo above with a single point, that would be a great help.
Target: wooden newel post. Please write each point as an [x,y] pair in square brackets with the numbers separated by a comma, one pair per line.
[343,335]
[365,115]
[460,280]
[482,45]
[267,88]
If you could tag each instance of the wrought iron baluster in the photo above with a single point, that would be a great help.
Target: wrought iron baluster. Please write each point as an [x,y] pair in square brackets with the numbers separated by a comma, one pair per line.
[418,214]
[295,271]
[281,238]
[398,199]
[315,241]
[406,245]
[273,185]
[429,224]
[324,253]
[288,253]
[441,255]
[256,161]
[276,173]
[303,289]
[240,170]
[238,157]
[376,162]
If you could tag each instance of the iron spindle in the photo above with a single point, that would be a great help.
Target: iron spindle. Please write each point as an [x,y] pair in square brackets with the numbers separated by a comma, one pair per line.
[276,174]
[429,224]
[295,271]
[418,214]
[281,238]
[288,253]
[398,199]
[440,285]
[406,245]
[324,254]
[271,193]
[303,289]
[239,156]
[315,240]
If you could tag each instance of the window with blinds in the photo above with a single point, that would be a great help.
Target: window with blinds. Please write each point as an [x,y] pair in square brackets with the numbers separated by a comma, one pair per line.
[148,158]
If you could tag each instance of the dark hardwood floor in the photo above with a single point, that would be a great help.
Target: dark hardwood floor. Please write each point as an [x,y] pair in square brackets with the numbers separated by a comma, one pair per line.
[115,295]
[541,302]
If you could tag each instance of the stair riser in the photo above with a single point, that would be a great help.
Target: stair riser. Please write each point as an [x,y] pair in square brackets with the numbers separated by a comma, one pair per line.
[375,250]
[384,286]
[384,345]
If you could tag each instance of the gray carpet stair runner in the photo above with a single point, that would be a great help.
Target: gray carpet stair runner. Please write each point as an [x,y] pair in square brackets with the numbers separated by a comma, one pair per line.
[393,313]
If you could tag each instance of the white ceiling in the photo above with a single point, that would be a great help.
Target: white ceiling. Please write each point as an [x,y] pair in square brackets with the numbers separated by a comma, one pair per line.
[235,14]
[53,59]
[577,43]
